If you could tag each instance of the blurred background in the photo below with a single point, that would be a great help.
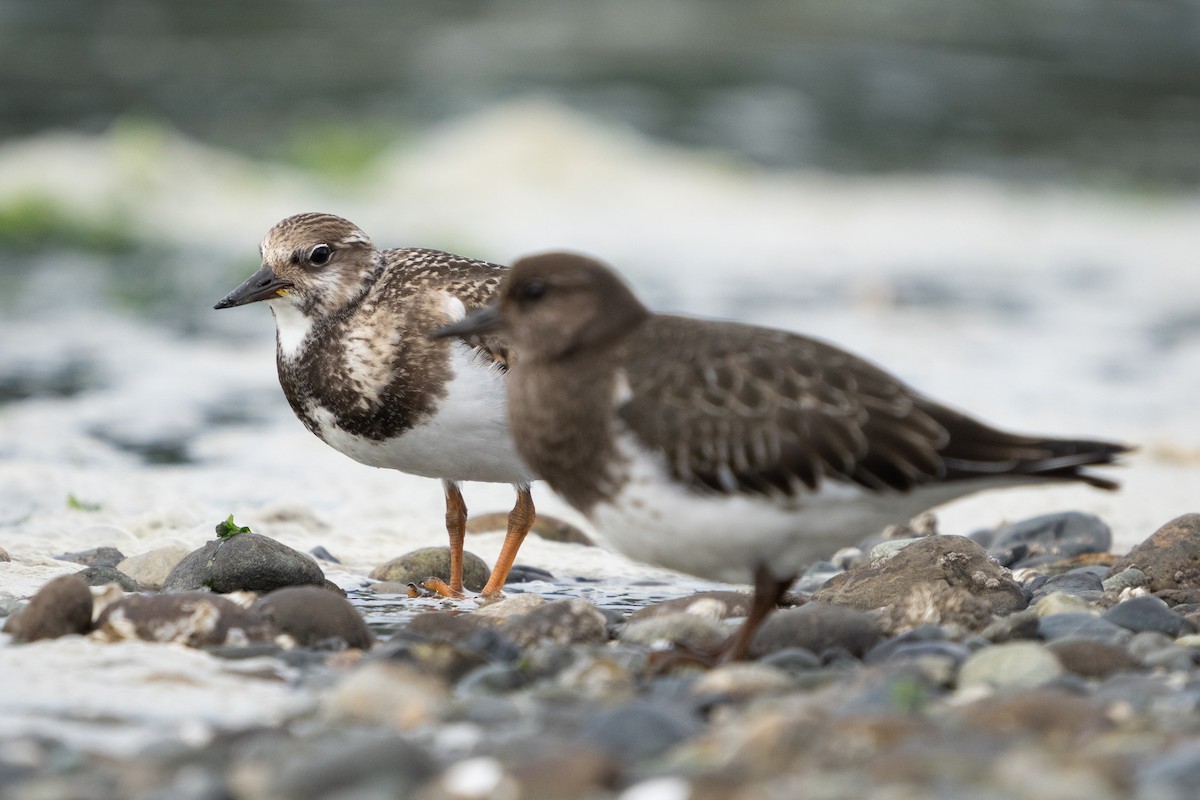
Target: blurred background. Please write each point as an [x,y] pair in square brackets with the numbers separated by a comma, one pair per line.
[997,200]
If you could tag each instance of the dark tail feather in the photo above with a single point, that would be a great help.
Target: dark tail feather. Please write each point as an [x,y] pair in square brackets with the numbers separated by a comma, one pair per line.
[975,450]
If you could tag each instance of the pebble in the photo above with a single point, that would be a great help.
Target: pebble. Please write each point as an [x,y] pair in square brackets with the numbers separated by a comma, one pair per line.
[1062,603]
[817,627]
[1170,558]
[1148,613]
[714,606]
[102,576]
[1015,665]
[1085,625]
[742,681]
[1082,583]
[1051,537]
[197,619]
[573,621]
[432,562]
[1090,658]
[511,606]
[62,606]
[1130,578]
[681,630]
[96,557]
[150,569]
[384,692]
[314,617]
[639,731]
[246,562]
[954,560]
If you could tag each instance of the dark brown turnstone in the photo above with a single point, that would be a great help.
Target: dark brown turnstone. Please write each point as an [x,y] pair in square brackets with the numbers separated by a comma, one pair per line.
[360,371]
[730,451]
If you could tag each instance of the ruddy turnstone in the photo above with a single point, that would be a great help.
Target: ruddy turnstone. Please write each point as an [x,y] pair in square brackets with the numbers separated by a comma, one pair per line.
[730,451]
[358,368]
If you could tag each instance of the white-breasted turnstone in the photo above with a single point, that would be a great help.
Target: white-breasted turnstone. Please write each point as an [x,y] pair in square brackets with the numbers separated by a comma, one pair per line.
[358,367]
[730,451]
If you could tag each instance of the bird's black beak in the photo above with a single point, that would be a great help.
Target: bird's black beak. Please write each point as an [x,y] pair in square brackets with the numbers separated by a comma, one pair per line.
[262,285]
[486,319]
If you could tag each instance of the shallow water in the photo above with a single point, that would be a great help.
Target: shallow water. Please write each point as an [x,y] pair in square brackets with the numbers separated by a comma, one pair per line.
[1048,310]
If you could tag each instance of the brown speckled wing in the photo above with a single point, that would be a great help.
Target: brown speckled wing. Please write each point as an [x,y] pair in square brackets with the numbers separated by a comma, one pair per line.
[735,408]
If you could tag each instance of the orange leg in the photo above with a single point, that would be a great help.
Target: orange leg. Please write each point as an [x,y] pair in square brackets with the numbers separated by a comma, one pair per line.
[768,591]
[520,520]
[456,527]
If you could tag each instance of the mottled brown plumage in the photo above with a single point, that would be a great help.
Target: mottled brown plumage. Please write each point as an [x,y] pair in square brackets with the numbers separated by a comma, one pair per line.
[358,368]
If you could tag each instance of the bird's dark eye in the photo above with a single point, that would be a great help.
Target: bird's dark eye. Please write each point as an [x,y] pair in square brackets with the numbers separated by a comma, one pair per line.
[320,255]
[534,290]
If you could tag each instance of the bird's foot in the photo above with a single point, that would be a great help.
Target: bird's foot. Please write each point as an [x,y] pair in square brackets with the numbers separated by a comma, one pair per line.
[433,587]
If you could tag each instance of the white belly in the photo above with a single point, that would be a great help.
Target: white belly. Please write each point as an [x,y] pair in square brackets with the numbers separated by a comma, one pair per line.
[466,439]
[725,537]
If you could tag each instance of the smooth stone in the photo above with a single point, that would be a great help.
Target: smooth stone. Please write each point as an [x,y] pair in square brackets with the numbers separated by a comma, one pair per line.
[1015,665]
[1189,640]
[446,627]
[103,576]
[1130,578]
[715,606]
[573,621]
[314,616]
[954,560]
[1062,603]
[742,681]
[639,731]
[388,693]
[524,573]
[363,765]
[1144,644]
[63,606]
[793,660]
[511,606]
[432,562]
[197,619]
[1172,776]
[563,771]
[1082,583]
[150,569]
[1087,626]
[1172,658]
[321,554]
[1059,535]
[246,562]
[817,627]
[447,661]
[1147,613]
[1041,712]
[95,557]
[490,680]
[1090,658]
[1170,557]
[681,630]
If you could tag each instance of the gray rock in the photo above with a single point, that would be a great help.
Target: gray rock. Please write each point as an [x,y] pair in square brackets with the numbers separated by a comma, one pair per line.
[954,560]
[245,562]
[1022,625]
[817,627]
[1082,583]
[1144,644]
[1170,557]
[360,764]
[103,576]
[1051,537]
[573,621]
[62,606]
[1016,665]
[1086,626]
[314,616]
[1130,578]
[1173,776]
[639,731]
[1147,613]
[150,569]
[96,557]
[197,619]
[432,562]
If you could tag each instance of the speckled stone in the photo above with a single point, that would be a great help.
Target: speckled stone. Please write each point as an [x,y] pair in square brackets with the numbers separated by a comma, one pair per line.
[953,560]
[1130,578]
[1170,557]
[197,619]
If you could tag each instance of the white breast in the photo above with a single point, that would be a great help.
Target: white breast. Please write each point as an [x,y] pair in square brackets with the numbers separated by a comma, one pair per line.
[466,439]
[724,537]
